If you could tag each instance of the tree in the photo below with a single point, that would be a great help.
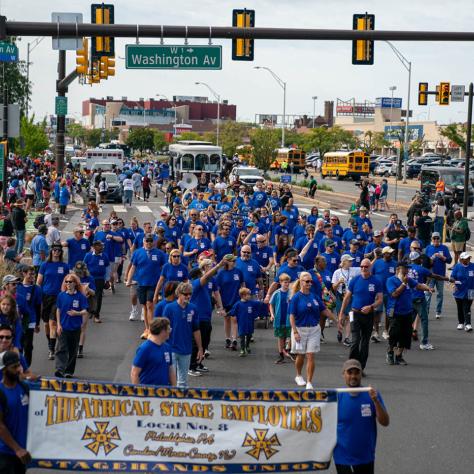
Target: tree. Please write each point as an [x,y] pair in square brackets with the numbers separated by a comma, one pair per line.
[318,139]
[231,135]
[34,139]
[18,87]
[77,132]
[374,141]
[455,133]
[93,137]
[342,138]
[210,137]
[159,141]
[264,142]
[141,139]
[189,136]
[293,138]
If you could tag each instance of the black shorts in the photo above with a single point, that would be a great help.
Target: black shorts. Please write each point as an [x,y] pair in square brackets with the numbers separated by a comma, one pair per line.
[48,311]
[400,331]
[145,294]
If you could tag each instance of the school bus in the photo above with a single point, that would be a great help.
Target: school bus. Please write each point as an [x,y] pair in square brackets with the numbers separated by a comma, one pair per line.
[289,155]
[245,154]
[345,164]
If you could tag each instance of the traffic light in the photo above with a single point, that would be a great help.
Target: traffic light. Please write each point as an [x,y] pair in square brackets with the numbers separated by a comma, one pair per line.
[94,76]
[82,58]
[102,14]
[106,67]
[363,50]
[437,94]
[243,48]
[444,89]
[422,93]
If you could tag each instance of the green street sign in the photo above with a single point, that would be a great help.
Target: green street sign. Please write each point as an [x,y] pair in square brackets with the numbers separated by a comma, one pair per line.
[2,160]
[8,52]
[179,57]
[61,106]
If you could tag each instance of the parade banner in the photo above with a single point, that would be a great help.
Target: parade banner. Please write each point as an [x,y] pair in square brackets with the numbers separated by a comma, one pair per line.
[100,426]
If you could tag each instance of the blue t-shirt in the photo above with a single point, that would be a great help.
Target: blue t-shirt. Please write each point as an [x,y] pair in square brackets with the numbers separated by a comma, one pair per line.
[357,256]
[16,417]
[439,266]
[112,248]
[259,198]
[199,244]
[28,298]
[77,250]
[155,361]
[201,298]
[245,312]
[383,270]
[405,243]
[97,264]
[172,272]
[67,302]
[403,303]
[229,283]
[223,246]
[306,309]
[38,245]
[364,290]
[464,281]
[311,254]
[53,276]
[160,308]
[420,274]
[148,265]
[292,272]
[332,261]
[262,255]
[184,321]
[356,429]
[251,271]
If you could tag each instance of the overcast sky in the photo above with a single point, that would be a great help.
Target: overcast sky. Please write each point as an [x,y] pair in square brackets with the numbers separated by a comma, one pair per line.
[310,68]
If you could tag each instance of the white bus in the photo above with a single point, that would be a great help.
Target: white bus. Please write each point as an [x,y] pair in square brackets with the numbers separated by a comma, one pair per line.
[191,156]
[100,155]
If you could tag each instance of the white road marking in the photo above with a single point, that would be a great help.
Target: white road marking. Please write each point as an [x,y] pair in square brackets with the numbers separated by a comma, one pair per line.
[165,208]
[337,213]
[144,209]
[63,220]
[377,214]
[119,209]
[306,211]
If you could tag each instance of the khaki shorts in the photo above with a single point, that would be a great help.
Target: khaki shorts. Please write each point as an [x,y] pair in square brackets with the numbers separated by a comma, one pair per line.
[310,341]
[458,246]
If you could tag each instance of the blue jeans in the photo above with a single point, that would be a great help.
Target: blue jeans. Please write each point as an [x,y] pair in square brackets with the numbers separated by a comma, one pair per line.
[20,240]
[439,225]
[182,366]
[439,285]
[420,308]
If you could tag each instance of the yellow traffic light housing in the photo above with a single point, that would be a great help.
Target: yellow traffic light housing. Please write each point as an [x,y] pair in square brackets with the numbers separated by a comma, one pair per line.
[363,50]
[82,58]
[243,48]
[444,90]
[110,66]
[102,14]
[94,76]
[437,94]
[422,93]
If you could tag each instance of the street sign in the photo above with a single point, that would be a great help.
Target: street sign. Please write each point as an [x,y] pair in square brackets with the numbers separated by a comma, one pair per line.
[388,102]
[13,120]
[8,52]
[457,93]
[285,178]
[71,44]
[180,57]
[61,106]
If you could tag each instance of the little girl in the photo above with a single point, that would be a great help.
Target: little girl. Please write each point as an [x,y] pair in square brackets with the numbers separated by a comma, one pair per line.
[9,316]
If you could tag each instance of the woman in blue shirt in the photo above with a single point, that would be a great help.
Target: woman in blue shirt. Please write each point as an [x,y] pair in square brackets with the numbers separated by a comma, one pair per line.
[174,270]
[64,197]
[71,313]
[9,316]
[463,274]
[172,230]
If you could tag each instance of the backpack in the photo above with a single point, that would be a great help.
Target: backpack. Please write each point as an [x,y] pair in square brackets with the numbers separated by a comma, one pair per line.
[3,397]
[39,220]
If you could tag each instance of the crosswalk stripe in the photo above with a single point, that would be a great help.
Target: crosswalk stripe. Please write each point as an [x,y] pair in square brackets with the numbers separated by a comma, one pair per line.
[144,209]
[306,211]
[339,213]
[119,209]
[377,214]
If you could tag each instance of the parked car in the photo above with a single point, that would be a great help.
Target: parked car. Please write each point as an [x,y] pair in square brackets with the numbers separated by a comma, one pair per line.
[383,168]
[312,159]
[114,193]
[248,175]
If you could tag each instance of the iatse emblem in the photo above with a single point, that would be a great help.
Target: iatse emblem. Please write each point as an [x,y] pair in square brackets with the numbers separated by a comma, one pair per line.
[260,443]
[101,438]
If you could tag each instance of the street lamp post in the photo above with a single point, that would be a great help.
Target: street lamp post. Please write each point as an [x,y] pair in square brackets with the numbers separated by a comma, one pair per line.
[392,89]
[282,84]
[407,65]
[174,108]
[315,97]
[218,98]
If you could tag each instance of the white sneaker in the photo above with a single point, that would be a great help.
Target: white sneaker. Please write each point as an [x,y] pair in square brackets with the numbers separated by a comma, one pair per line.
[309,386]
[300,380]
[385,334]
[460,327]
[426,347]
[468,328]
[438,316]
[134,314]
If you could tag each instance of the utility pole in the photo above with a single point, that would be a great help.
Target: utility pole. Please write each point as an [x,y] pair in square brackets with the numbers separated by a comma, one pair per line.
[60,119]
[5,134]
[468,151]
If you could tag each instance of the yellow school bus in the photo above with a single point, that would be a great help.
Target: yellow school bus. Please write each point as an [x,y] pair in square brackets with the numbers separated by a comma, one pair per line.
[289,155]
[345,164]
[245,154]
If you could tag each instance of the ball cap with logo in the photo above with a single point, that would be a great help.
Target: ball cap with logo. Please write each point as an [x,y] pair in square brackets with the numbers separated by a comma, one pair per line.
[8,358]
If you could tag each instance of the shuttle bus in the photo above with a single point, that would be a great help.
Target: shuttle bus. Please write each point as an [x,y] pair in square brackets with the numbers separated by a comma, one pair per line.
[192,156]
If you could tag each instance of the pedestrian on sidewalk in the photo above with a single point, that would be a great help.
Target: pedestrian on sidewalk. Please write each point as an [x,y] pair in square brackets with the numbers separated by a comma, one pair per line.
[463,275]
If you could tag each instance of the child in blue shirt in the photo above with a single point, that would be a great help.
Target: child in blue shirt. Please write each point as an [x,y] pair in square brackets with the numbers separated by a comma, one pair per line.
[245,311]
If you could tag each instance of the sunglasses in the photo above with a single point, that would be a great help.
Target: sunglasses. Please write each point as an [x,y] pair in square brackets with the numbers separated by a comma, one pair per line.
[186,294]
[245,253]
[150,241]
[57,250]
[175,256]
[7,338]
[435,238]
[69,281]
[79,231]
[365,266]
[307,281]
[416,248]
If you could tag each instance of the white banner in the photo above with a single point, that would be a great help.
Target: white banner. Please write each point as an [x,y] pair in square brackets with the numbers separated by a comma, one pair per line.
[94,426]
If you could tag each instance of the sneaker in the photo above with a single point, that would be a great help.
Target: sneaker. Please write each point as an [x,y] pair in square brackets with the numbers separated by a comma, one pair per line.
[228,343]
[202,368]
[97,320]
[346,342]
[468,328]
[134,314]
[58,374]
[309,386]
[426,347]
[300,380]
[414,335]
[80,355]
[374,337]
[68,376]
[243,353]
[438,316]
[51,355]
[339,336]
[144,334]
[389,358]
[290,356]
[399,360]
[460,327]
[280,360]
[252,339]
[322,339]
[385,334]
[234,345]
[207,354]
[194,373]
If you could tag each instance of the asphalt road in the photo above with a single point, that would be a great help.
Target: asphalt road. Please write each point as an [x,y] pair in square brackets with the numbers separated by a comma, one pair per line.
[429,400]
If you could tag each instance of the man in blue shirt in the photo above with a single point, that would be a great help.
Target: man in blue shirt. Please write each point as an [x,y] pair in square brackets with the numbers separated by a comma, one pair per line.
[405,243]
[353,234]
[263,254]
[78,247]
[355,253]
[153,362]
[440,256]
[13,416]
[357,415]
[365,294]
[224,243]
[250,269]
[377,243]
[200,204]
[307,247]
[183,317]
[39,247]
[333,258]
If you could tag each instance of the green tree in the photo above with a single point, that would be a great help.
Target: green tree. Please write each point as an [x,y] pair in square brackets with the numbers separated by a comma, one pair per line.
[231,135]
[293,138]
[141,139]
[189,136]
[456,133]
[210,137]
[374,141]
[342,138]
[18,87]
[34,139]
[76,132]
[159,141]
[93,137]
[319,139]
[264,142]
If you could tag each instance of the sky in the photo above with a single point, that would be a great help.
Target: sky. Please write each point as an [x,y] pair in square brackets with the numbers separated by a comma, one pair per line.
[310,68]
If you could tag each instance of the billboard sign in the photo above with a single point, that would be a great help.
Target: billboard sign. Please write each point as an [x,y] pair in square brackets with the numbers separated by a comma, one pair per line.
[395,132]
[388,102]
